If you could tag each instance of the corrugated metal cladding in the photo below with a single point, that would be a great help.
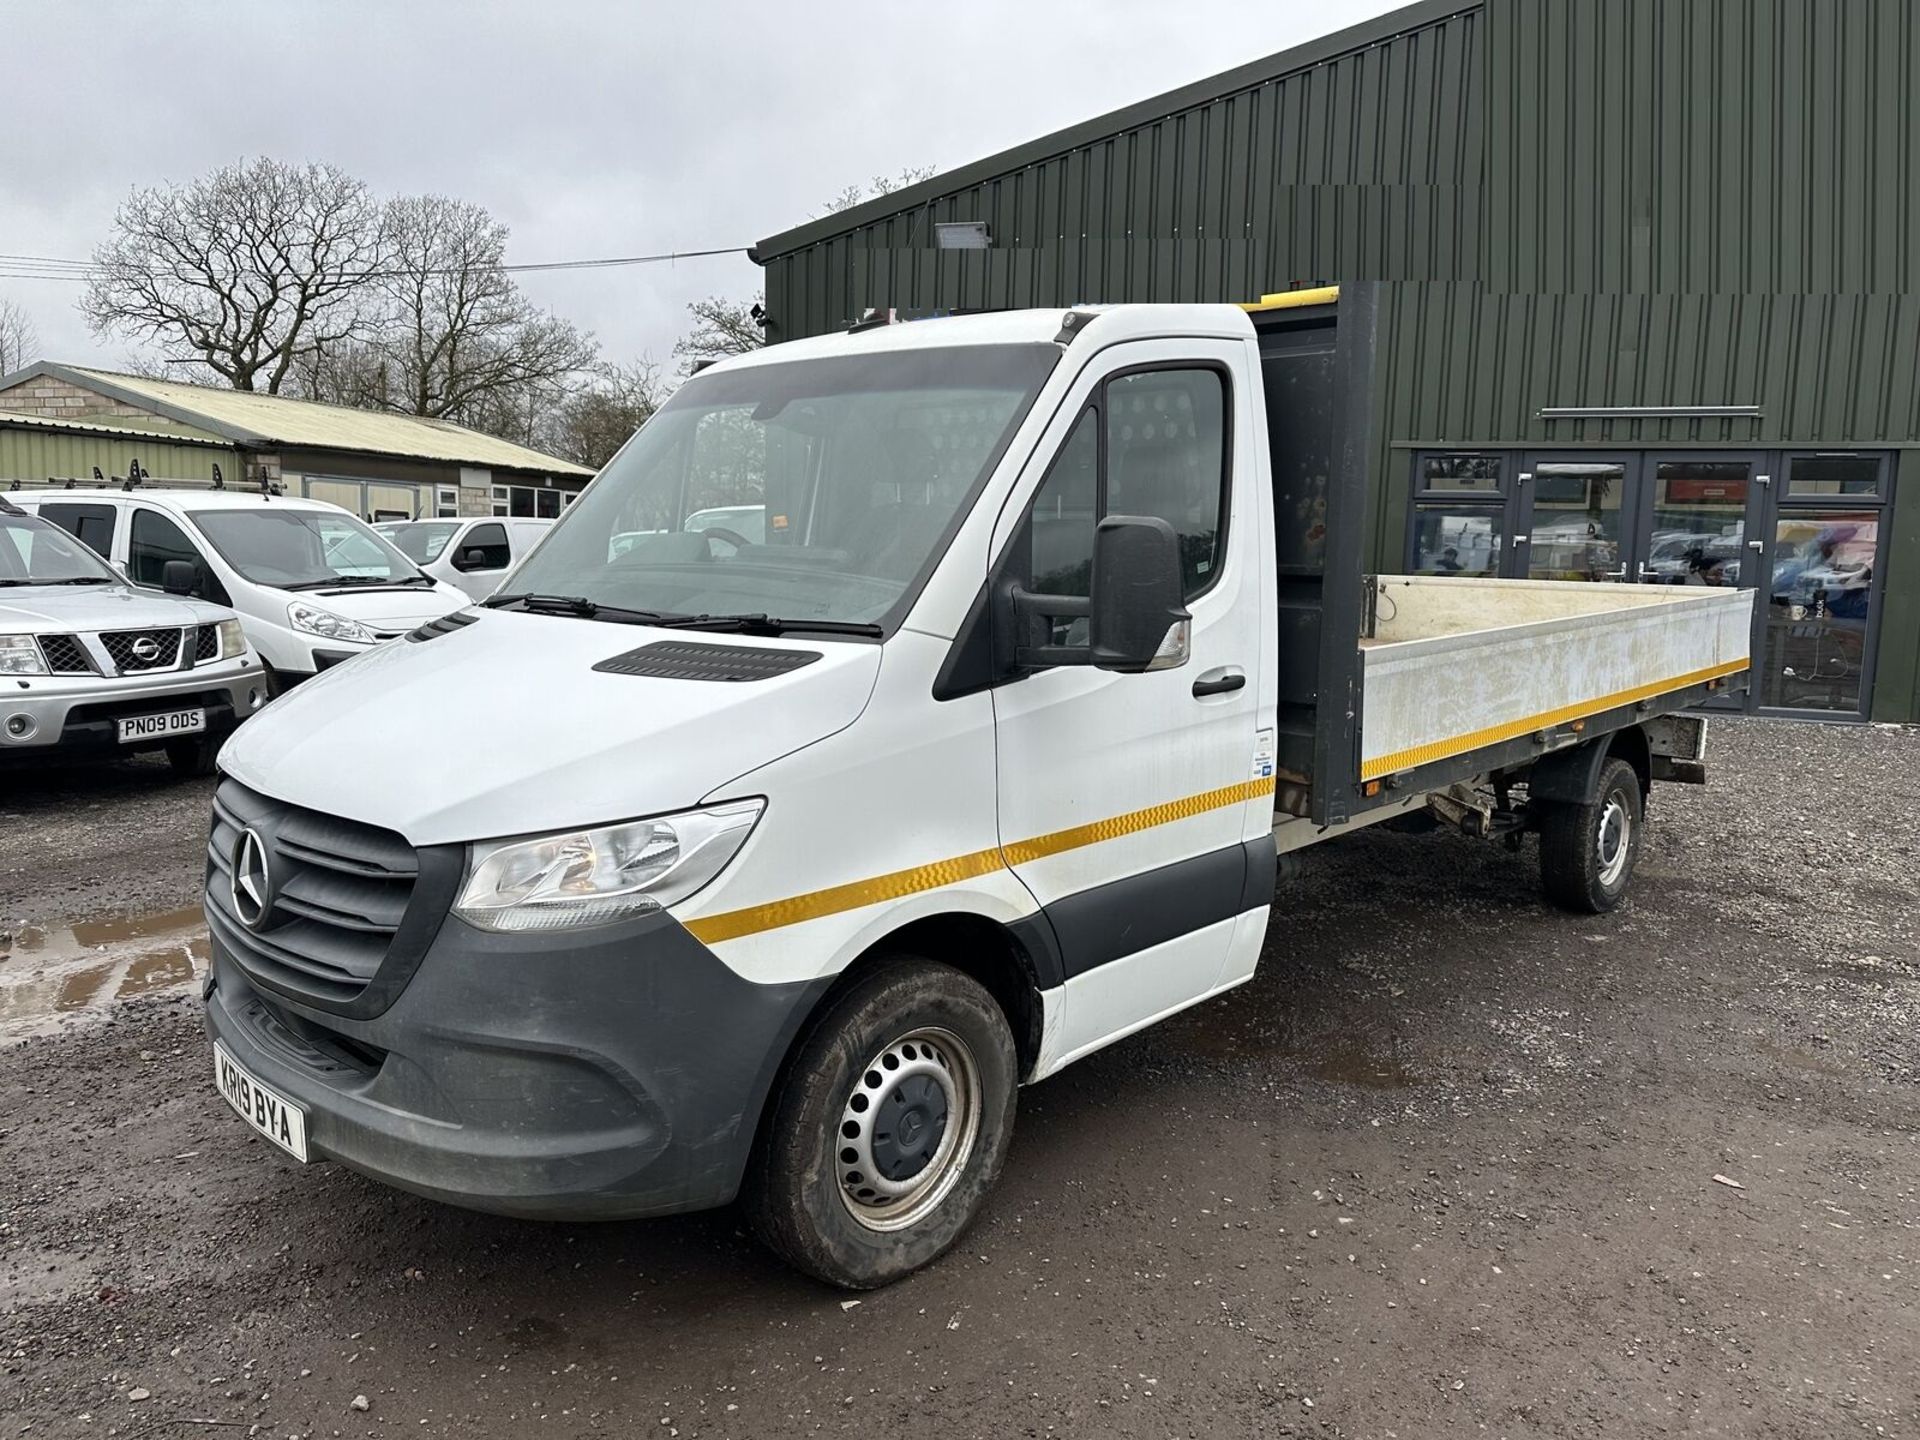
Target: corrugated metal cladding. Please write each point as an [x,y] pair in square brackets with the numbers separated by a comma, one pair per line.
[32,455]
[1367,163]
[1575,203]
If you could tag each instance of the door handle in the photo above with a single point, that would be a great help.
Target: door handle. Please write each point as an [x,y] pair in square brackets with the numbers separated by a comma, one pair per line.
[1221,681]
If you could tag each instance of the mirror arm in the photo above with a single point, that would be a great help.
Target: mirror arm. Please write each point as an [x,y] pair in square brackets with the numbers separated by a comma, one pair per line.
[1028,609]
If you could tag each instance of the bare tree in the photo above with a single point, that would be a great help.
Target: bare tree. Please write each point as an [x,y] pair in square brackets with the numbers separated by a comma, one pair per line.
[454,328]
[246,269]
[19,341]
[721,328]
[589,425]
[880,185]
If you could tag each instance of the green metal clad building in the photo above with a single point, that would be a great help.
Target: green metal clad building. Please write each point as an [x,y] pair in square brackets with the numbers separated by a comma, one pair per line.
[1649,307]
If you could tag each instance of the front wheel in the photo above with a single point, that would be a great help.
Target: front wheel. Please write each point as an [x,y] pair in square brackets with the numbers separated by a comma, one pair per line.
[888,1128]
[192,758]
[1588,850]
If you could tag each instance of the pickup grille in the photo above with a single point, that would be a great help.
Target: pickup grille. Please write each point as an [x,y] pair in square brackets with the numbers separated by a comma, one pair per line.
[65,655]
[206,644]
[344,903]
[136,650]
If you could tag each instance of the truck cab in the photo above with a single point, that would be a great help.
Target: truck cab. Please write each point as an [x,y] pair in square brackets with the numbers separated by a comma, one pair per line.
[817,842]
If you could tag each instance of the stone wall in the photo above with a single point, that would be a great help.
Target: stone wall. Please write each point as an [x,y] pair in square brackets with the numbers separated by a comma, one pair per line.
[57,399]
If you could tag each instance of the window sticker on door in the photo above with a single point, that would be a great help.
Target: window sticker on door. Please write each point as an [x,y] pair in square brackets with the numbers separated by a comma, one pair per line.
[1263,754]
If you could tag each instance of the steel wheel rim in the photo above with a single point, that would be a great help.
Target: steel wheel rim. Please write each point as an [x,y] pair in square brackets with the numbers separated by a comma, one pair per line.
[1614,840]
[900,1079]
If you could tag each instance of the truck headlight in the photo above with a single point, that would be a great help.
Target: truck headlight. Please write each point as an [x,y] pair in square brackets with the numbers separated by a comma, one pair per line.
[595,877]
[233,640]
[326,624]
[20,655]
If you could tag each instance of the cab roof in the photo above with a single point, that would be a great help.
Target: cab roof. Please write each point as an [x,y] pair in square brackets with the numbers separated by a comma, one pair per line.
[1109,324]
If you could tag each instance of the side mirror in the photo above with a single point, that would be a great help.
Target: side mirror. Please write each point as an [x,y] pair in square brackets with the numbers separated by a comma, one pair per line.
[474,559]
[180,577]
[1140,619]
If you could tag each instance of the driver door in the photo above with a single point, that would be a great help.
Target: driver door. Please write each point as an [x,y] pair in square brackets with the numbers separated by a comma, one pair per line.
[1126,801]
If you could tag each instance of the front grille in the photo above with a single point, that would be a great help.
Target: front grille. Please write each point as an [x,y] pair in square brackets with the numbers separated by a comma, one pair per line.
[336,895]
[134,650]
[65,655]
[206,644]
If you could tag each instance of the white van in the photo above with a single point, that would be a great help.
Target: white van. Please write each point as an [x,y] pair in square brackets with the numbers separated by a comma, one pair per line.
[312,584]
[474,554]
[96,668]
[779,865]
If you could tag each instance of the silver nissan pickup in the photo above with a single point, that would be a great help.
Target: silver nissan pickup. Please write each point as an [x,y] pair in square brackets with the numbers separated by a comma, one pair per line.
[94,666]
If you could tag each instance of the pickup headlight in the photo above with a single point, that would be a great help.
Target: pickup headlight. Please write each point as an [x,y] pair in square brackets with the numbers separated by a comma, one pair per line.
[233,640]
[20,655]
[326,624]
[595,877]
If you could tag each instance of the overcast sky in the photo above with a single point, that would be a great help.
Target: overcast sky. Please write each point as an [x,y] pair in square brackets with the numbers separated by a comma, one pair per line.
[593,128]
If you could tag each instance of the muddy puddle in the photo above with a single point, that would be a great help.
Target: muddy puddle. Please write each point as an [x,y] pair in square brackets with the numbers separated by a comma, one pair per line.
[51,978]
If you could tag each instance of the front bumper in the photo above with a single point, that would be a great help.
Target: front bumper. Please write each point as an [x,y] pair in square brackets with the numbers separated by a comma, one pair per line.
[597,1075]
[70,714]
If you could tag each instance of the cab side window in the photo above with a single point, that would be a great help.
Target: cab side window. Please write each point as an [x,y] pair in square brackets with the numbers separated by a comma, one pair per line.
[152,541]
[1166,456]
[1151,442]
[491,541]
[91,525]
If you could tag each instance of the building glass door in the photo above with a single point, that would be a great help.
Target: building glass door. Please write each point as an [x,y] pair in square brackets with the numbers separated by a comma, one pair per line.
[1576,520]
[1819,625]
[1699,516]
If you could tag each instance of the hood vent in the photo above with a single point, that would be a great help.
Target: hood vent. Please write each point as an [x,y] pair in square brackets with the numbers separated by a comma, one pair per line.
[445,625]
[688,660]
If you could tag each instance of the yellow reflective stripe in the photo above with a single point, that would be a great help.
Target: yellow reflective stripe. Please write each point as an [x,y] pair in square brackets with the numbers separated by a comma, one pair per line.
[1418,755]
[732,924]
[1135,821]
[1293,299]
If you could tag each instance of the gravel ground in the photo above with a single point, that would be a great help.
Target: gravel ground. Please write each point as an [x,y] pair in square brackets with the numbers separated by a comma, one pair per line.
[1452,1164]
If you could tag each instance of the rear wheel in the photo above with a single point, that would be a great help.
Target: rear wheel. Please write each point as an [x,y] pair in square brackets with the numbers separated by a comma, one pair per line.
[888,1128]
[1588,851]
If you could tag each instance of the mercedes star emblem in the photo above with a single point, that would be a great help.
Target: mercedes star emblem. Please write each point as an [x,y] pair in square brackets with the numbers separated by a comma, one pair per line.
[251,890]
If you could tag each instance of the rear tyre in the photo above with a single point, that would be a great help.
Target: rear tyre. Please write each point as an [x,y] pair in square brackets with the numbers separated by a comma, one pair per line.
[192,758]
[888,1127]
[1588,851]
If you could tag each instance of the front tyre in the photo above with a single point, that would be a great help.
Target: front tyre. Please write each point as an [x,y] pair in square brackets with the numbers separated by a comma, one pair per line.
[1588,851]
[192,758]
[888,1127]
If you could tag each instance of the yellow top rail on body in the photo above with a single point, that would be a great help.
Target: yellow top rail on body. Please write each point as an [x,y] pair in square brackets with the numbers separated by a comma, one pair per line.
[1294,299]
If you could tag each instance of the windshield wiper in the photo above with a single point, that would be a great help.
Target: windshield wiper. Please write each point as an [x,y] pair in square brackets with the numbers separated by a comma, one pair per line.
[546,604]
[347,582]
[76,580]
[774,625]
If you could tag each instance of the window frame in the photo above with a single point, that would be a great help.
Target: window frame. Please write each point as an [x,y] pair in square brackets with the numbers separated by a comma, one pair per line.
[1498,503]
[465,542]
[1020,547]
[214,590]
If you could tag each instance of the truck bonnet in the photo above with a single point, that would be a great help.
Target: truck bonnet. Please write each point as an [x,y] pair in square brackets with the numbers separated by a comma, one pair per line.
[518,724]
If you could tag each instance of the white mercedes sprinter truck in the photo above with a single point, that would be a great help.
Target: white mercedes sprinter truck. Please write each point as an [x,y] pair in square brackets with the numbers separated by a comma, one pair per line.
[782,860]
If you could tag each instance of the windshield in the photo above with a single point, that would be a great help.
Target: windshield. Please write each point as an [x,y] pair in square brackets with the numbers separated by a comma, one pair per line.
[821,490]
[286,547]
[423,540]
[37,552]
